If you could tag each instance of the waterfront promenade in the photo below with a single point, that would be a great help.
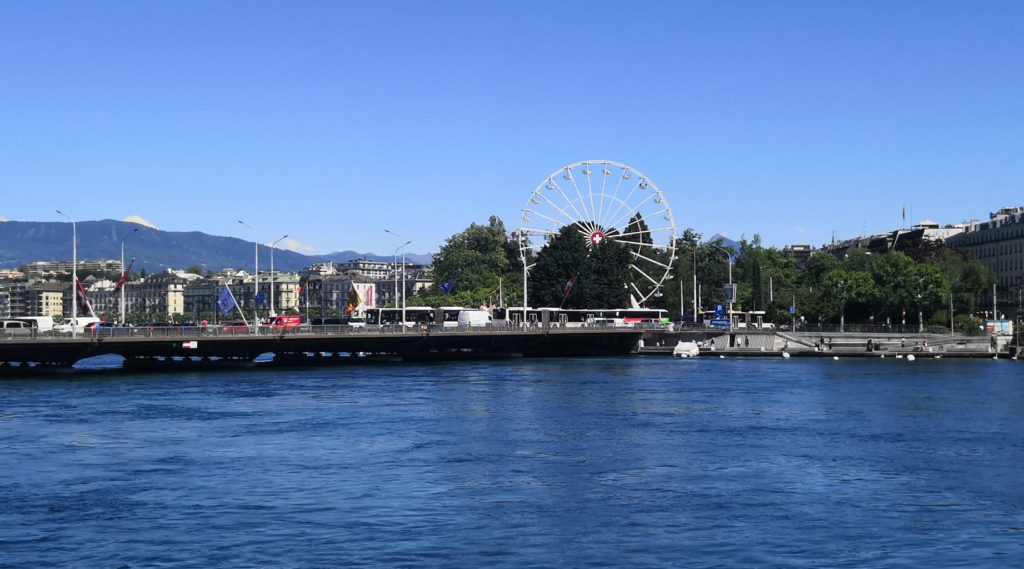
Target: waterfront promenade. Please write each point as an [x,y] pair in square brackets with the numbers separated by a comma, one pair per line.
[774,343]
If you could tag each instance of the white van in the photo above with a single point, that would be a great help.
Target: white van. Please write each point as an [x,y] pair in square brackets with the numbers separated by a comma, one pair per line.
[80,324]
[40,323]
[474,318]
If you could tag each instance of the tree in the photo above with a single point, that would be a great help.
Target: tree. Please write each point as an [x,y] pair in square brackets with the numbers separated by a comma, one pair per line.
[477,259]
[565,257]
[968,279]
[681,286]
[713,270]
[609,273]
[599,272]
[928,290]
[841,286]
[647,259]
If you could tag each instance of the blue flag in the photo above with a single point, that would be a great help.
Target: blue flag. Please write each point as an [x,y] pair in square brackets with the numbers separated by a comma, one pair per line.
[260,298]
[226,302]
[447,287]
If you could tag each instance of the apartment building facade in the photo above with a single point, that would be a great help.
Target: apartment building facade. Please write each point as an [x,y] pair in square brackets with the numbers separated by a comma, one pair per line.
[999,245]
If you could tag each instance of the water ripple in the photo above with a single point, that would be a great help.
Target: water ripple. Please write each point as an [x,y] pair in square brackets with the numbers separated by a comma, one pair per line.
[597,463]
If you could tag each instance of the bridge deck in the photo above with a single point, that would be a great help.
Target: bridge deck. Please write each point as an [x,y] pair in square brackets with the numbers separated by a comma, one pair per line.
[166,347]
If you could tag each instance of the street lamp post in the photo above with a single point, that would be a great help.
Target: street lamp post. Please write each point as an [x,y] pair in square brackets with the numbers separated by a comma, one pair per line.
[123,284]
[402,248]
[74,275]
[695,240]
[732,295]
[272,247]
[732,286]
[256,280]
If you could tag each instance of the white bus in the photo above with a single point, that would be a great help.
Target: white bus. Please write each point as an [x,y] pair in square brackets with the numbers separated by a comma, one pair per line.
[582,317]
[444,316]
[414,316]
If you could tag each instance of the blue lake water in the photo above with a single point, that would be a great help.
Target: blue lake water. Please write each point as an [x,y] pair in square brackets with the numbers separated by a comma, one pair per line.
[616,462]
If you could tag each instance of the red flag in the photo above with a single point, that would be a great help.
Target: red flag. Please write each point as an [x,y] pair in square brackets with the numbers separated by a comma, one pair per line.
[80,298]
[120,283]
[568,286]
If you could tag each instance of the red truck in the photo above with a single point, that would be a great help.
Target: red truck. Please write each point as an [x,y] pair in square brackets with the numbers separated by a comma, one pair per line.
[284,323]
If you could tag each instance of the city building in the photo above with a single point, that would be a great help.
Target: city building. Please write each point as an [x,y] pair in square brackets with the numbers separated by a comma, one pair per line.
[896,240]
[417,278]
[335,295]
[325,269]
[320,290]
[802,253]
[366,269]
[14,299]
[45,299]
[46,269]
[999,245]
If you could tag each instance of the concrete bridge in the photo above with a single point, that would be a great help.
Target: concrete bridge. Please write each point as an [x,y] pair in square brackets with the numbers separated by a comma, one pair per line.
[173,348]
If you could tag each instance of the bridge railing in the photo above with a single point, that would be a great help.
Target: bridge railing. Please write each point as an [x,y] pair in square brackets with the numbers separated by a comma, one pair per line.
[231,330]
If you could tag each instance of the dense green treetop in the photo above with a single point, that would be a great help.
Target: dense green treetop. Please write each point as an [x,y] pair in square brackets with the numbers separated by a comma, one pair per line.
[477,259]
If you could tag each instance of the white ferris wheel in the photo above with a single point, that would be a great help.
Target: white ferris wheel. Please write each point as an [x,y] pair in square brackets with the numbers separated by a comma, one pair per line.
[604,200]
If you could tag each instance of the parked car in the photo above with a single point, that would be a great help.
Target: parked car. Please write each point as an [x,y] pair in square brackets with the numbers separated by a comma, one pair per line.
[235,327]
[77,324]
[107,328]
[15,328]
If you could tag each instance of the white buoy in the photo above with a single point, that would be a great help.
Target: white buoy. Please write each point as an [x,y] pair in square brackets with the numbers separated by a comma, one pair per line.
[721,357]
[835,358]
[910,357]
[899,355]
[785,355]
[882,356]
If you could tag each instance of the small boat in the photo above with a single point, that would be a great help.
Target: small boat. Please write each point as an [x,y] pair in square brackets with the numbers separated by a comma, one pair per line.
[685,350]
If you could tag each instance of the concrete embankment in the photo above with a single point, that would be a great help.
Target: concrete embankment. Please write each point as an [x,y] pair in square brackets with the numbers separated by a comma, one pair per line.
[773,343]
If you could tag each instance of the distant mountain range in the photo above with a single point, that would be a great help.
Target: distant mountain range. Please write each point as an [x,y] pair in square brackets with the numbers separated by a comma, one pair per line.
[725,241]
[154,250]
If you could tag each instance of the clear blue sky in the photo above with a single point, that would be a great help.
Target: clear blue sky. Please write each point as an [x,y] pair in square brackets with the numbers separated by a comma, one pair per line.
[331,121]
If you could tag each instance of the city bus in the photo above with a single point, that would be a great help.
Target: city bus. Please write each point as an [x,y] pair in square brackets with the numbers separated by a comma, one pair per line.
[582,317]
[414,316]
[445,316]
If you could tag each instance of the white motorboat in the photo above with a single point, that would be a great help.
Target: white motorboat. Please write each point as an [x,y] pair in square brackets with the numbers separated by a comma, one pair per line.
[685,350]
